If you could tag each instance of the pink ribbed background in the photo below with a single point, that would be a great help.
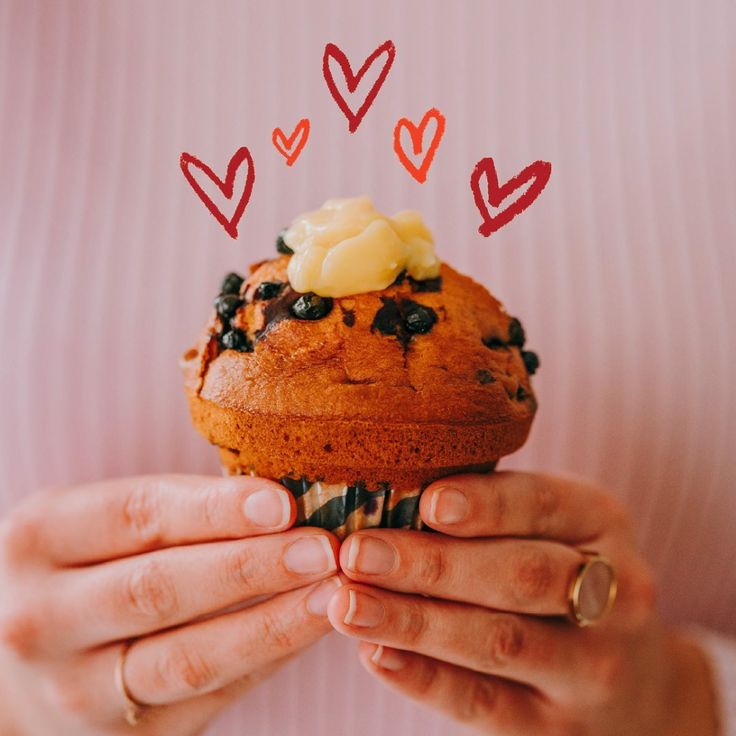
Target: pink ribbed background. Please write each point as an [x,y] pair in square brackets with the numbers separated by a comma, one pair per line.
[623,271]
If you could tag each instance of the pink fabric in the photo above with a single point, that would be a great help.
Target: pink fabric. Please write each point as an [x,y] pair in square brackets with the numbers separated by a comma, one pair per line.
[622,271]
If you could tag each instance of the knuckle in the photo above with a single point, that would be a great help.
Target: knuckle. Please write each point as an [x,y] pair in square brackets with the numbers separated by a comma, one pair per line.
[645,591]
[608,671]
[212,508]
[426,678]
[67,695]
[275,632]
[547,503]
[414,624]
[150,593]
[141,514]
[615,511]
[497,506]
[432,565]
[532,573]
[505,642]
[19,632]
[241,569]
[19,534]
[184,671]
[479,700]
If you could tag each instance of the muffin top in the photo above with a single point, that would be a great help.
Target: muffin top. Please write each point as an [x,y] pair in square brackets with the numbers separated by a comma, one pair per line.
[440,351]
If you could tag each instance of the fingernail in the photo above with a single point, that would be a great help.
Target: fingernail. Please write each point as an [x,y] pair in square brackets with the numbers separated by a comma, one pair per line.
[269,507]
[321,596]
[363,610]
[371,556]
[310,555]
[448,506]
[388,659]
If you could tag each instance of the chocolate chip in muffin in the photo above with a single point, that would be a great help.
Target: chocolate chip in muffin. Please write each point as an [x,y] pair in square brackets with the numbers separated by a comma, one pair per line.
[403,319]
[494,343]
[231,284]
[484,376]
[531,361]
[388,319]
[281,246]
[236,340]
[311,306]
[227,304]
[418,318]
[268,289]
[422,286]
[348,317]
[426,285]
[517,337]
[522,394]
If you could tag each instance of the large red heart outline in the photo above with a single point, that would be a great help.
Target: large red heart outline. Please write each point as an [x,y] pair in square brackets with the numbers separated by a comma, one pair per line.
[226,187]
[539,171]
[353,80]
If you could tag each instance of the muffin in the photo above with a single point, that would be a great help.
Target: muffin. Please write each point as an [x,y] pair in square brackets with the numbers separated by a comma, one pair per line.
[355,369]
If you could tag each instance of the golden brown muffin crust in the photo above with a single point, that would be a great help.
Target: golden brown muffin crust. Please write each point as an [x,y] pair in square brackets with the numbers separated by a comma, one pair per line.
[336,395]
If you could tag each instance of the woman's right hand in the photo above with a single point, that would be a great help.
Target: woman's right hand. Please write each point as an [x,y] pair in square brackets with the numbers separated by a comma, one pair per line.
[155,559]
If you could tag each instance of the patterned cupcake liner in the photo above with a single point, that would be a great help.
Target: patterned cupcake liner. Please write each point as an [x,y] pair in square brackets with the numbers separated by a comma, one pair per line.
[344,508]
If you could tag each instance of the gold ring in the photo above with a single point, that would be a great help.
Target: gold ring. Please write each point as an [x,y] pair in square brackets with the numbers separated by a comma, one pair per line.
[592,590]
[133,709]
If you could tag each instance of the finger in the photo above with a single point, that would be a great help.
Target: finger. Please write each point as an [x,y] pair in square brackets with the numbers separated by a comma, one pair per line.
[137,595]
[551,656]
[204,657]
[525,576]
[489,704]
[192,661]
[122,517]
[69,690]
[520,505]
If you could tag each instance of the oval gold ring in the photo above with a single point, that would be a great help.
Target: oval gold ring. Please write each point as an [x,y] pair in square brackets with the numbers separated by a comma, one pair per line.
[133,708]
[592,591]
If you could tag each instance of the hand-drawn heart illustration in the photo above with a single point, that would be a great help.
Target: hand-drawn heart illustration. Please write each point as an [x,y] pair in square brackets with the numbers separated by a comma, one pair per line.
[417,138]
[353,80]
[539,171]
[226,187]
[284,144]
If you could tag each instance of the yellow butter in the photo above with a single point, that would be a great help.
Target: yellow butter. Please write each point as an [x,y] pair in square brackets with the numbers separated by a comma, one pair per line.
[348,247]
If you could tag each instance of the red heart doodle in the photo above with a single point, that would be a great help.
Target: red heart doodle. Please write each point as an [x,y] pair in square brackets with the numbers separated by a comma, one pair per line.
[284,144]
[417,139]
[353,80]
[226,187]
[539,171]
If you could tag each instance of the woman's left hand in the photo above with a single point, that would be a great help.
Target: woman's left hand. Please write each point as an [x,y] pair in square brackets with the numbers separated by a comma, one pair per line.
[473,621]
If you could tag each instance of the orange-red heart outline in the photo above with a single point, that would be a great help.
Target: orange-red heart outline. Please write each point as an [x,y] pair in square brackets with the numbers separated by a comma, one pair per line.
[284,145]
[416,132]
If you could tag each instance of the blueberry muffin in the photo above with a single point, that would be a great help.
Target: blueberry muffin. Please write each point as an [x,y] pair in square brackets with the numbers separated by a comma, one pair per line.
[391,371]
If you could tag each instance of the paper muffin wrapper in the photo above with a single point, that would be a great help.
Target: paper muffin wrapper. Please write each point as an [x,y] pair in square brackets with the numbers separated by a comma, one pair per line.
[344,508]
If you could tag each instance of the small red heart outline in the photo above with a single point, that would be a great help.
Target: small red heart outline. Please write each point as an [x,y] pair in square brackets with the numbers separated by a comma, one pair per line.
[540,171]
[353,80]
[284,145]
[226,187]
[416,133]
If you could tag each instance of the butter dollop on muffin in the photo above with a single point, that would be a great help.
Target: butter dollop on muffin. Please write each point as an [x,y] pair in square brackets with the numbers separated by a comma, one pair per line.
[356,369]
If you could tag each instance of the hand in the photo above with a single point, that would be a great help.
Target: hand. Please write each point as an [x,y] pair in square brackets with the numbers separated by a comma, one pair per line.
[490,645]
[157,560]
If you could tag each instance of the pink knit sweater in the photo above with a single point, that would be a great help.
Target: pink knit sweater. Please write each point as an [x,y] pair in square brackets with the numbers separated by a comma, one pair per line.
[623,271]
